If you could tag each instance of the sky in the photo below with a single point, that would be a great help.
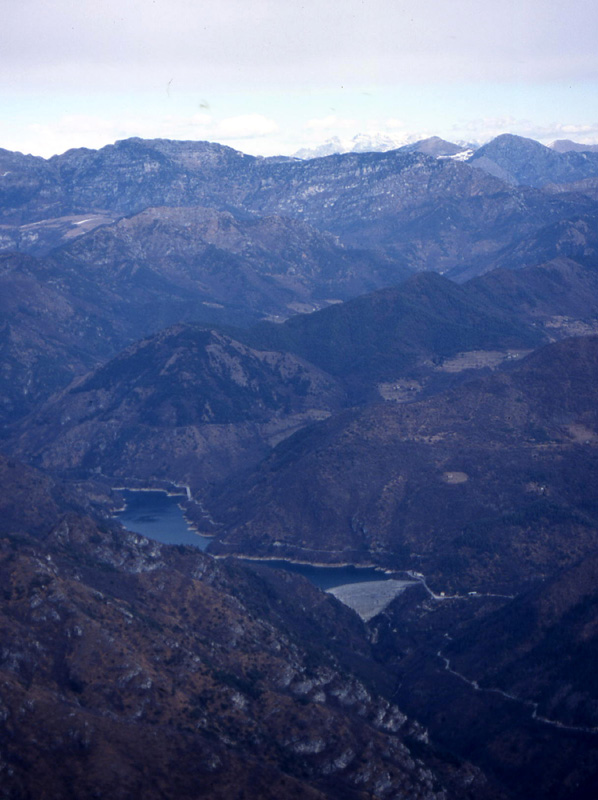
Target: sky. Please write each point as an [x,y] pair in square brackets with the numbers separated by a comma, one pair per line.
[269,77]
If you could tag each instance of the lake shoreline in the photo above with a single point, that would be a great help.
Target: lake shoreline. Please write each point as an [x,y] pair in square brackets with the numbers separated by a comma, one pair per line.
[318,564]
[193,527]
[169,493]
[156,520]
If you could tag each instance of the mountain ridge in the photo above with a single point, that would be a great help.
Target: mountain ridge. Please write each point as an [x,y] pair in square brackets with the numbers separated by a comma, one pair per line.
[518,160]
[484,467]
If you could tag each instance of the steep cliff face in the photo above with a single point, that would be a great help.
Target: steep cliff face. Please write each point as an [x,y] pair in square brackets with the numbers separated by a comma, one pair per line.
[132,667]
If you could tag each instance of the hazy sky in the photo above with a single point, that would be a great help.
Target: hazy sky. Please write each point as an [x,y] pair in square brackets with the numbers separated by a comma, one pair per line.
[269,76]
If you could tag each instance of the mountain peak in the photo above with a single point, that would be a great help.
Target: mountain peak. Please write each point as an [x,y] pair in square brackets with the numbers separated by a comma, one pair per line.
[518,160]
[435,146]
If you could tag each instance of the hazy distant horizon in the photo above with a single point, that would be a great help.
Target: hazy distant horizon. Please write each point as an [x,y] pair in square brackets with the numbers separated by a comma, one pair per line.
[269,79]
[332,145]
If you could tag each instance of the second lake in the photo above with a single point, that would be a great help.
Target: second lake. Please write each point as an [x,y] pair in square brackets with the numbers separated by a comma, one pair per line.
[157,515]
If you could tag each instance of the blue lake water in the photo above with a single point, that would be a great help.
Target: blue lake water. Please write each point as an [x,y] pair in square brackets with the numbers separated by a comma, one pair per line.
[330,577]
[157,515]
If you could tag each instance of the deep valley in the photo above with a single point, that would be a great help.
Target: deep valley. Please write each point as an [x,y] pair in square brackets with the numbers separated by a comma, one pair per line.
[375,360]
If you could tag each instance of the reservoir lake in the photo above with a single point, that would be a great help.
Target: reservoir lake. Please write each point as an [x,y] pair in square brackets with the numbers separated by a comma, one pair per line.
[157,515]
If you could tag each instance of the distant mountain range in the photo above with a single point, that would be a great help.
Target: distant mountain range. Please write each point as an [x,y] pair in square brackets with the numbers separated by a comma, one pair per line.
[526,162]
[380,143]
[124,241]
[566,145]
[433,145]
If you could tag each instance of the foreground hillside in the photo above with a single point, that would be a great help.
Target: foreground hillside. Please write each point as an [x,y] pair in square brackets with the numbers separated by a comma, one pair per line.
[131,668]
[511,688]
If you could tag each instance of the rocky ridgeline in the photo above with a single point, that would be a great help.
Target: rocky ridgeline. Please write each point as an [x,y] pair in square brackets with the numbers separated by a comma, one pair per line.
[370,199]
[526,162]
